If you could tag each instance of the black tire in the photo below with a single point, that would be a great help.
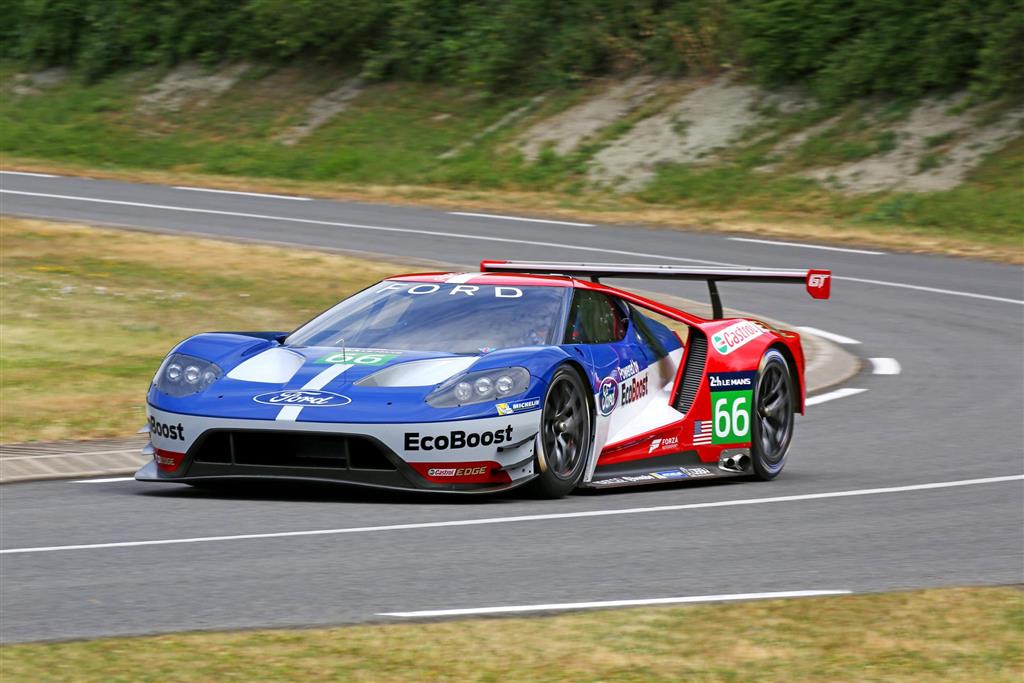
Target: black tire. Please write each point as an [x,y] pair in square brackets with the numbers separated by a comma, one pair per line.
[772,415]
[566,433]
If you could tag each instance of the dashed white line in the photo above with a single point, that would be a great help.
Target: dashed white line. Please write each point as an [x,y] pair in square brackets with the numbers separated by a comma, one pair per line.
[479,238]
[246,194]
[604,604]
[520,218]
[107,480]
[934,290]
[833,395]
[885,366]
[831,336]
[807,246]
[26,173]
[522,518]
[358,226]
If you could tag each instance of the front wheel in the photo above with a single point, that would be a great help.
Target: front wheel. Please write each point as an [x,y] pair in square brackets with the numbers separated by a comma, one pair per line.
[565,435]
[772,426]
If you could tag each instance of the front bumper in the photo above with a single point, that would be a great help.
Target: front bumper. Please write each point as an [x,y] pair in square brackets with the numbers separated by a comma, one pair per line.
[471,456]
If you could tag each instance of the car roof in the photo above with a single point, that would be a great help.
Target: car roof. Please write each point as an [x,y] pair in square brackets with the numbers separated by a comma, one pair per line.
[477,278]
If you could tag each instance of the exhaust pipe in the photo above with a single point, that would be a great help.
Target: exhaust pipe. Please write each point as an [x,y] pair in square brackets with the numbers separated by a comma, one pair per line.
[737,461]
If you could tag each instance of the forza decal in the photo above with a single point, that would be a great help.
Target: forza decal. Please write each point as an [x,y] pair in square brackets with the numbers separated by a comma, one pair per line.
[607,396]
[732,394]
[302,397]
[456,439]
[736,335]
[633,390]
[359,357]
[168,431]
[518,407]
[669,442]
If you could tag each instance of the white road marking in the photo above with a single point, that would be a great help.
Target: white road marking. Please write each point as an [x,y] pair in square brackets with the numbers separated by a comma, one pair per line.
[831,336]
[247,194]
[520,218]
[523,518]
[34,175]
[322,379]
[511,609]
[885,366]
[833,395]
[935,290]
[479,238]
[807,246]
[108,480]
[358,226]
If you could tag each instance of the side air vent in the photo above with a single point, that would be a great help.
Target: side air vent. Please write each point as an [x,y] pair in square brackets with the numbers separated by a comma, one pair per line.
[693,371]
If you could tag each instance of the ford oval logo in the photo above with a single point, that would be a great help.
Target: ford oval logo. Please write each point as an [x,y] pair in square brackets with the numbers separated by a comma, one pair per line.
[302,397]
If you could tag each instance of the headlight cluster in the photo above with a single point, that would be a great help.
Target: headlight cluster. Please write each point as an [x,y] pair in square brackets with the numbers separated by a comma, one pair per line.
[182,375]
[481,386]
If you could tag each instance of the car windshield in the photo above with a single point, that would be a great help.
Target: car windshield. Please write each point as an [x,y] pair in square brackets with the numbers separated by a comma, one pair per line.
[453,318]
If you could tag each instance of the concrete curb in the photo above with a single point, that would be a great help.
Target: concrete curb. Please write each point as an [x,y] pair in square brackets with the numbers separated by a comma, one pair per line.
[827,365]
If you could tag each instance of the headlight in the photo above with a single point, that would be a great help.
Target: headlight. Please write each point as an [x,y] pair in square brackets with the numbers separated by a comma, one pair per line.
[479,387]
[182,375]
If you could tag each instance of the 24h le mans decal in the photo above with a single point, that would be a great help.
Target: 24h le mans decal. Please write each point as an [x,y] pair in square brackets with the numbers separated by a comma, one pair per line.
[732,394]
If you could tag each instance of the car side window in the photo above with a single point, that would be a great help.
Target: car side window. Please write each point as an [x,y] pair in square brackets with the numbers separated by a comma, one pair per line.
[595,319]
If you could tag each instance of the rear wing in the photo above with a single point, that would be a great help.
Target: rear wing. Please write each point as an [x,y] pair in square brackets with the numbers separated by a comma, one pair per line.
[817,282]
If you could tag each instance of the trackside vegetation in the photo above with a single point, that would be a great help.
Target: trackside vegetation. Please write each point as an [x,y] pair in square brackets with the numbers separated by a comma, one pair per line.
[843,48]
[932,636]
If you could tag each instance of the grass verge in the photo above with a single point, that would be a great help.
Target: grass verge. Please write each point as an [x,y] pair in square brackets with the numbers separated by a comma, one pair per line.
[422,144]
[88,314]
[956,634]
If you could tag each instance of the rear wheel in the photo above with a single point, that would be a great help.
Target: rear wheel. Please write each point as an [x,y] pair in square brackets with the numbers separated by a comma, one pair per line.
[774,407]
[565,435]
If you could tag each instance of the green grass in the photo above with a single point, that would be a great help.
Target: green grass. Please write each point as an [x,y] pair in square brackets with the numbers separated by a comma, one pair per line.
[934,636]
[393,136]
[88,314]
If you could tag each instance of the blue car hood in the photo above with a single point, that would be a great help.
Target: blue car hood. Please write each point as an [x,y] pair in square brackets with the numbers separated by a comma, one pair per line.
[260,377]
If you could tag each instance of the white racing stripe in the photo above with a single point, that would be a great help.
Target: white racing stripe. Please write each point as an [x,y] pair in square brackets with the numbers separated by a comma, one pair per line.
[833,395]
[246,194]
[807,246]
[885,366]
[520,218]
[479,238]
[26,173]
[322,379]
[831,336]
[523,518]
[604,604]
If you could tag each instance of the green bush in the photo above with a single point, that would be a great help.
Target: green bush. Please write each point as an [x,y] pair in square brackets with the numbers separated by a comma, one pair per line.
[844,48]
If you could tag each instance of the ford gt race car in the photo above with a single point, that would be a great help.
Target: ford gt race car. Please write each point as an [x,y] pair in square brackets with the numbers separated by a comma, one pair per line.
[525,373]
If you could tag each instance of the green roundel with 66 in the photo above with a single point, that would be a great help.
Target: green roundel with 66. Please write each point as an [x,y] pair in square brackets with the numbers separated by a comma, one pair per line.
[359,357]
[732,395]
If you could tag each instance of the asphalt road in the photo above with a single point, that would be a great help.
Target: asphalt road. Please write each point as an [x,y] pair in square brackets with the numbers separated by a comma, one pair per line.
[952,414]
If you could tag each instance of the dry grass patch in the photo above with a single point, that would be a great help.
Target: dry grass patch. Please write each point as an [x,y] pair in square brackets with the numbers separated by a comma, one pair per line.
[959,634]
[87,314]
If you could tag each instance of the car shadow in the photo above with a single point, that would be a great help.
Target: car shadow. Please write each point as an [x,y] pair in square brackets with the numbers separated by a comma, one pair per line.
[318,492]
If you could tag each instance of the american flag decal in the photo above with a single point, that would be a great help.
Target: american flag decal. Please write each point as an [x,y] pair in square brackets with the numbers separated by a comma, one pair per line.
[702,432]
